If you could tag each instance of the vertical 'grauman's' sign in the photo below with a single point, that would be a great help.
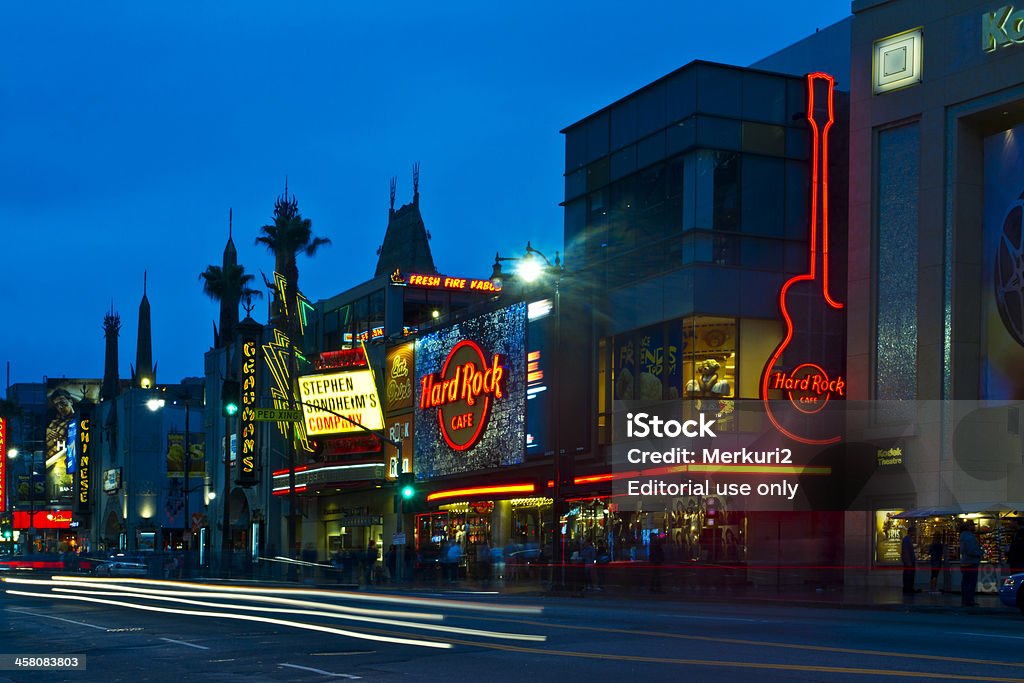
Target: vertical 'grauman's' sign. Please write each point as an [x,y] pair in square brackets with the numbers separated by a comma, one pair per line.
[247,411]
[463,393]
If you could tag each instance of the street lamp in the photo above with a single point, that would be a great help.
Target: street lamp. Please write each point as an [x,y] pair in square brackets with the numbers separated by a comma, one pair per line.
[12,453]
[155,404]
[530,268]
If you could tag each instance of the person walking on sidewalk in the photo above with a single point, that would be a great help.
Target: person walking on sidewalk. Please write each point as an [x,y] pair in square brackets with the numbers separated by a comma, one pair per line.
[970,558]
[909,558]
[657,556]
[936,553]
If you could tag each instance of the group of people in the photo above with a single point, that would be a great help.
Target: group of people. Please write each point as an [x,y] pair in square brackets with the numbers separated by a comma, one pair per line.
[971,556]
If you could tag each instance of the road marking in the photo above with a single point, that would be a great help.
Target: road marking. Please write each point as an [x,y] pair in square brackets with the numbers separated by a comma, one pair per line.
[885,673]
[321,671]
[690,616]
[738,641]
[47,616]
[182,642]
[984,635]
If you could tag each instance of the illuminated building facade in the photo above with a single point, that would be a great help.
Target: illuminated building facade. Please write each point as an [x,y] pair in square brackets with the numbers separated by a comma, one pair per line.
[936,178]
[687,208]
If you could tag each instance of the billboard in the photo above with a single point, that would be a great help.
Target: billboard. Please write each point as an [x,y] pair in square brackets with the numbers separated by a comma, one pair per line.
[352,393]
[471,395]
[1002,291]
[64,399]
[176,455]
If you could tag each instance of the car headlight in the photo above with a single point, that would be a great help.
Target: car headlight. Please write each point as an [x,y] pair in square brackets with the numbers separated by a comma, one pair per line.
[1008,582]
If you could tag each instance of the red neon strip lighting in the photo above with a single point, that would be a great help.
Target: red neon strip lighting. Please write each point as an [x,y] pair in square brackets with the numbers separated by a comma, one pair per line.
[481,491]
[279,473]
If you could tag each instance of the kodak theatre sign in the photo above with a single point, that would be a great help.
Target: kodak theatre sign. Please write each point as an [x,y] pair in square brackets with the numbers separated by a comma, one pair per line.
[464,393]
[1001,28]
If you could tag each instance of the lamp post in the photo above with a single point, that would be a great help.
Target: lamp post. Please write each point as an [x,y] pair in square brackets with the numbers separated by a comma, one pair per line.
[530,268]
[13,453]
[155,404]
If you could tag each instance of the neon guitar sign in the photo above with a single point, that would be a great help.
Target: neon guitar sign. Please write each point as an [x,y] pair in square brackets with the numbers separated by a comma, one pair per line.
[806,384]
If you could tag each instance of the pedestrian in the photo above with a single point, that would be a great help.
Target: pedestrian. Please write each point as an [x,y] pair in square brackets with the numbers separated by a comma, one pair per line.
[657,557]
[391,559]
[454,560]
[1015,554]
[970,557]
[589,557]
[909,558]
[936,555]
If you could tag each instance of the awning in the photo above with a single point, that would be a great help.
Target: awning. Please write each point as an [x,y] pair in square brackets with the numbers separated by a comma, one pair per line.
[970,508]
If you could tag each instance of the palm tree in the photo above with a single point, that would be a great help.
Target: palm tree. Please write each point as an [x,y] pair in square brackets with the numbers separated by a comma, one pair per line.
[227,285]
[286,237]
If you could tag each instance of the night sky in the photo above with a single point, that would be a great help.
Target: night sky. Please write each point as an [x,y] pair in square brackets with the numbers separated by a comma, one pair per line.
[127,131]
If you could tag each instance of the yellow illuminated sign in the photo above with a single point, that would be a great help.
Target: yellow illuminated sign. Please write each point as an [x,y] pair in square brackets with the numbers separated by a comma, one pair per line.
[352,394]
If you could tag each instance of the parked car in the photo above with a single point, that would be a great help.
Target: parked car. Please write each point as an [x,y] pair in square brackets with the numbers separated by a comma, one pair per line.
[1010,593]
[121,565]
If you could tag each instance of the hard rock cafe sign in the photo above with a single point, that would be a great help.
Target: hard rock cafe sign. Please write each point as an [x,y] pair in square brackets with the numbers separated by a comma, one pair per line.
[464,392]
[807,386]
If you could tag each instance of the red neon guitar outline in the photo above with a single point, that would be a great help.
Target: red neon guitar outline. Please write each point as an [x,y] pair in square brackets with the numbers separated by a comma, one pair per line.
[819,218]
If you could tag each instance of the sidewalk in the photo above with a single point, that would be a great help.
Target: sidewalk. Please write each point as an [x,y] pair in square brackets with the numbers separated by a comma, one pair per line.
[844,597]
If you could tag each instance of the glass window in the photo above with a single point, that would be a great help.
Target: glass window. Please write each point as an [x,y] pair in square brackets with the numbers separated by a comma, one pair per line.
[718,133]
[597,137]
[623,208]
[719,91]
[764,195]
[650,111]
[576,223]
[726,194]
[796,100]
[575,149]
[797,143]
[597,222]
[798,188]
[597,174]
[764,98]
[623,162]
[575,184]
[681,136]
[623,123]
[762,138]
[681,95]
[650,150]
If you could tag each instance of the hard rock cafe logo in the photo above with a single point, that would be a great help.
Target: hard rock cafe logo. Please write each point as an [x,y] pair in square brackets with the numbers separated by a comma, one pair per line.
[808,387]
[463,393]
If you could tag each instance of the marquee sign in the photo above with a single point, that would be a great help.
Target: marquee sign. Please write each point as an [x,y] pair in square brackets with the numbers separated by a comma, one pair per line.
[247,413]
[83,475]
[445,282]
[463,392]
[352,394]
[3,464]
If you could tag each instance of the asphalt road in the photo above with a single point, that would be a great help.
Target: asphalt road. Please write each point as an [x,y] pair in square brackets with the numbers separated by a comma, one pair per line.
[129,632]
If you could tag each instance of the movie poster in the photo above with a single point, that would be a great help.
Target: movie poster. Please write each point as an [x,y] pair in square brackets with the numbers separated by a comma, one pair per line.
[64,398]
[1002,290]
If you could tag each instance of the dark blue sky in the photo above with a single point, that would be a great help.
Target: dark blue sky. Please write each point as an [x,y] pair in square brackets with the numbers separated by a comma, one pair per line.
[128,130]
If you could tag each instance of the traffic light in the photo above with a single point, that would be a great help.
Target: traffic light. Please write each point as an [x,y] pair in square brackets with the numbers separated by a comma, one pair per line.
[407,485]
[229,397]
[6,527]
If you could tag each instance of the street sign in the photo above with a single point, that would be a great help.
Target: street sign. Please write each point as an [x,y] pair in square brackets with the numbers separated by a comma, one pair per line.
[398,539]
[198,521]
[278,415]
